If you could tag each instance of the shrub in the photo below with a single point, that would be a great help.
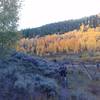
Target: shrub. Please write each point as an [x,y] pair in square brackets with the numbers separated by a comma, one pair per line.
[7,42]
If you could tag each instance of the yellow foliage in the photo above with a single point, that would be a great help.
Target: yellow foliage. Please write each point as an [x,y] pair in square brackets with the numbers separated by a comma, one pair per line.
[68,42]
[82,28]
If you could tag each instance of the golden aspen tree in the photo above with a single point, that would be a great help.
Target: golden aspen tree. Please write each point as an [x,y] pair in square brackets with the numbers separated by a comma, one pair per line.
[82,27]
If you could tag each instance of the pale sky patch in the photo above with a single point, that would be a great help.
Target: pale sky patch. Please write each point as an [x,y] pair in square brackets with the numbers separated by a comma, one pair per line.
[35,13]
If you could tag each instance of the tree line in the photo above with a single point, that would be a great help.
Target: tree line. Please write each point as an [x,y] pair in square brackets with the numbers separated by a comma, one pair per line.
[61,27]
[69,42]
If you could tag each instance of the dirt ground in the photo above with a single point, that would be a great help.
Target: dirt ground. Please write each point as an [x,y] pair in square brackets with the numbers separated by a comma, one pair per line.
[81,87]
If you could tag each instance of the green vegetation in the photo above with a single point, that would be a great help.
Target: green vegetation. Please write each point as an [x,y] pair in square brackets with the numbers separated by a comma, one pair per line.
[8,41]
[8,25]
[9,15]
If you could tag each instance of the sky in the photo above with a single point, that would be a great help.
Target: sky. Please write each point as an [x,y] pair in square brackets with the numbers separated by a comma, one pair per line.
[35,13]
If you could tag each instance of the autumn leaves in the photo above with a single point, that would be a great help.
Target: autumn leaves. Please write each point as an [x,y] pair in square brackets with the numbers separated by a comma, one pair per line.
[71,42]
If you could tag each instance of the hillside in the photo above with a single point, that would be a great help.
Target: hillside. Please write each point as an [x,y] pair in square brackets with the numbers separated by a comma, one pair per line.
[57,61]
[25,77]
[61,27]
[75,42]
